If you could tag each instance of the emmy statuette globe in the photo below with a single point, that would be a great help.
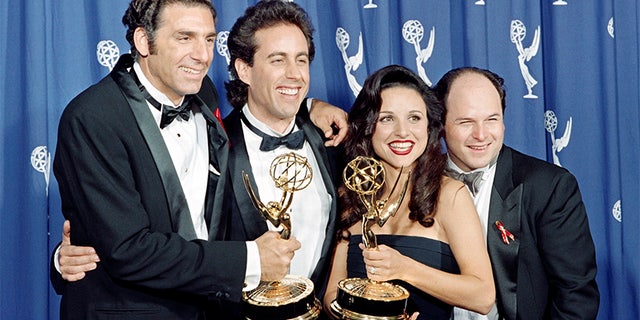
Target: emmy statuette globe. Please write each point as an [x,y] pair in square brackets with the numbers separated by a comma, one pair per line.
[358,298]
[292,297]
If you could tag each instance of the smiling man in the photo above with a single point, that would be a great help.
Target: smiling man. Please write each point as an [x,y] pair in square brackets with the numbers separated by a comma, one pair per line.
[141,163]
[271,48]
[533,218]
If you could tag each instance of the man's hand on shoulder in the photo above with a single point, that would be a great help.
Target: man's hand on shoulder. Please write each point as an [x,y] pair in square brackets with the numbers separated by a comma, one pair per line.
[331,120]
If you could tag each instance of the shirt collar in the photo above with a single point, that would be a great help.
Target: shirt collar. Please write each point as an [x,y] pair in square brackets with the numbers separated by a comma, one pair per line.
[263,127]
[455,168]
[155,93]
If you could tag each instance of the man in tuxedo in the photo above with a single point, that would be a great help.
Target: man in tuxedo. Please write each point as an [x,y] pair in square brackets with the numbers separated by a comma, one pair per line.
[533,217]
[270,48]
[141,162]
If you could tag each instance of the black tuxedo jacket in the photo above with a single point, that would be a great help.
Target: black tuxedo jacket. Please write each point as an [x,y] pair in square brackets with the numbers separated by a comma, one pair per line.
[122,195]
[246,221]
[549,271]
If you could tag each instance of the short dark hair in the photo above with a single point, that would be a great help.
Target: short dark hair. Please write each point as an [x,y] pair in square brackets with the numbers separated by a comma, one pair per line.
[443,87]
[427,174]
[242,44]
[146,14]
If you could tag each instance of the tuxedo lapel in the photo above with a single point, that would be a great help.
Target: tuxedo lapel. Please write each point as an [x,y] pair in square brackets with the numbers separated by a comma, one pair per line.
[254,223]
[317,145]
[218,162]
[178,208]
[505,206]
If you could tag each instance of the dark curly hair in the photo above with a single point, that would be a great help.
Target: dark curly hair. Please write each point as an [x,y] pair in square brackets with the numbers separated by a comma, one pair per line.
[427,175]
[146,14]
[242,43]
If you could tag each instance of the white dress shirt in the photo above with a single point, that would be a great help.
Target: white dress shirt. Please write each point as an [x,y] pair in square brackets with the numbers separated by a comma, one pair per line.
[481,201]
[187,142]
[310,207]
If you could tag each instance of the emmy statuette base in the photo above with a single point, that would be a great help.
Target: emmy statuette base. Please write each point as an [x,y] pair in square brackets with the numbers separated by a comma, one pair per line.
[292,298]
[365,299]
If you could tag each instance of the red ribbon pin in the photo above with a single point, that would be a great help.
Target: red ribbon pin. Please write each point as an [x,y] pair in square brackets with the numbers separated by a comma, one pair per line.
[506,235]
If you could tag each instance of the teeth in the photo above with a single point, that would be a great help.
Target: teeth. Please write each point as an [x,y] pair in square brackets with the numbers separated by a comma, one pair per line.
[287,91]
[401,145]
[189,70]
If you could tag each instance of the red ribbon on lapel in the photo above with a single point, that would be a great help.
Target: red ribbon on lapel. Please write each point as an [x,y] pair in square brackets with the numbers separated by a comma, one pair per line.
[506,235]
[218,116]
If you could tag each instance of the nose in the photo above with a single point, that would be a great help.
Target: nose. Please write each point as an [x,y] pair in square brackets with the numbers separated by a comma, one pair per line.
[292,70]
[479,132]
[402,128]
[202,50]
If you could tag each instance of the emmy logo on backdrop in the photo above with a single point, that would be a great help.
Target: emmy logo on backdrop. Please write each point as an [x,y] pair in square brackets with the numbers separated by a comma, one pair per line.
[222,49]
[610,28]
[221,45]
[480,3]
[107,53]
[413,31]
[551,124]
[350,63]
[370,5]
[559,3]
[293,296]
[616,211]
[518,33]
[365,298]
[40,161]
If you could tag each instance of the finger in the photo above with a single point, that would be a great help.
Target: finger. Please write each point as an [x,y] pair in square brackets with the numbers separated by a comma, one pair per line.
[66,233]
[73,277]
[331,139]
[66,228]
[342,124]
[76,273]
[72,250]
[78,268]
[78,260]
[294,243]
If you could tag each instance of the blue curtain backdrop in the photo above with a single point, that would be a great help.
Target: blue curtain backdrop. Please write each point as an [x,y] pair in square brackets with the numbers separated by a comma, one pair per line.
[571,71]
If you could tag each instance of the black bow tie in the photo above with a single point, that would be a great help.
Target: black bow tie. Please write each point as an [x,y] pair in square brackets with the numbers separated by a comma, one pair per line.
[472,179]
[294,140]
[170,113]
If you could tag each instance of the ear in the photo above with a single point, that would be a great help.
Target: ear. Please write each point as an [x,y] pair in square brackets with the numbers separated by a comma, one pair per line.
[141,41]
[243,70]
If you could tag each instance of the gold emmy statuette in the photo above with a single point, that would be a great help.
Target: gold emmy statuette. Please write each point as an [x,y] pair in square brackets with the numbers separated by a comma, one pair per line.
[365,298]
[293,296]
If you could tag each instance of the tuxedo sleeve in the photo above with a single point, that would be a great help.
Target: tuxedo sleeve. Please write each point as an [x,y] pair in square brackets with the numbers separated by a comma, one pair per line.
[56,278]
[567,252]
[106,178]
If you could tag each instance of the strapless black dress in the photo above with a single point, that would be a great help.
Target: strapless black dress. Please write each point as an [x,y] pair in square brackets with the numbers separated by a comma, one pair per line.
[430,252]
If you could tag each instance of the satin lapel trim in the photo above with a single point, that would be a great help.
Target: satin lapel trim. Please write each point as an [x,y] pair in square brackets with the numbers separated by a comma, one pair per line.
[253,223]
[504,257]
[178,208]
[317,145]
[218,159]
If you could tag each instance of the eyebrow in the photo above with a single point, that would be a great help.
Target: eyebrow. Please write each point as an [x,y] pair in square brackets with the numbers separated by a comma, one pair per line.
[281,53]
[193,33]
